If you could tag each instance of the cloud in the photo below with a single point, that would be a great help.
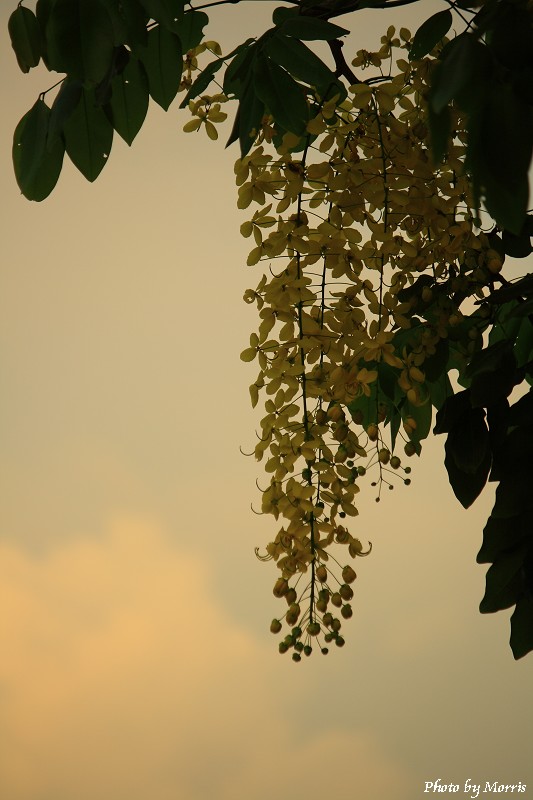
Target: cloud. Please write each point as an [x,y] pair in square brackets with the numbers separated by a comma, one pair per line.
[122,678]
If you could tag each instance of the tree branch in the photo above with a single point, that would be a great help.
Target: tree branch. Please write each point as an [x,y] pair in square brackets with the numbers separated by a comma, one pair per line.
[341,67]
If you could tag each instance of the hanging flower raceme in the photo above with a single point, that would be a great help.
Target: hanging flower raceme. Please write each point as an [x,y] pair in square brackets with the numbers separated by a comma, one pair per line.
[370,249]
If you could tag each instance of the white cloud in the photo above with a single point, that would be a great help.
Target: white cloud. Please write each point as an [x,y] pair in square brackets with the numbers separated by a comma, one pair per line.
[121,679]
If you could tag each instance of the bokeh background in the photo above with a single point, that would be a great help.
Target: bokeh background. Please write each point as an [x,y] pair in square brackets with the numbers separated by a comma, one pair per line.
[135,656]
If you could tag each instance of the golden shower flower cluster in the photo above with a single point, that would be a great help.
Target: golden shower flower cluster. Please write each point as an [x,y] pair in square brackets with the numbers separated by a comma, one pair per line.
[369,249]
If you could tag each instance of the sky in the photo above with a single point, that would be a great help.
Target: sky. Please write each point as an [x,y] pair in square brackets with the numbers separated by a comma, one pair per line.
[135,656]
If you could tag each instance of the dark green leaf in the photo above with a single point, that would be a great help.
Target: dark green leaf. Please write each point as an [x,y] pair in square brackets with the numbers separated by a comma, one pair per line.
[455,407]
[521,412]
[518,246]
[514,494]
[279,15]
[190,29]
[165,11]
[505,203]
[42,11]
[503,535]
[114,9]
[88,136]
[468,442]
[66,101]
[311,29]
[129,101]
[37,167]
[502,155]
[135,20]
[80,39]
[388,380]
[430,33]
[439,390]
[163,60]
[250,113]
[301,62]
[455,67]
[282,96]
[237,75]
[513,455]
[523,349]
[522,627]
[121,57]
[440,128]
[492,374]
[436,365]
[503,582]
[25,35]
[467,487]
[206,76]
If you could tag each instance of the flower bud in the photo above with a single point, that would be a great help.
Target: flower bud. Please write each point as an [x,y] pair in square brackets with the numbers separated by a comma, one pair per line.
[291,596]
[346,611]
[292,614]
[275,626]
[335,413]
[372,432]
[281,587]
[348,574]
[346,592]
[410,449]
[384,455]
[321,573]
[321,417]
